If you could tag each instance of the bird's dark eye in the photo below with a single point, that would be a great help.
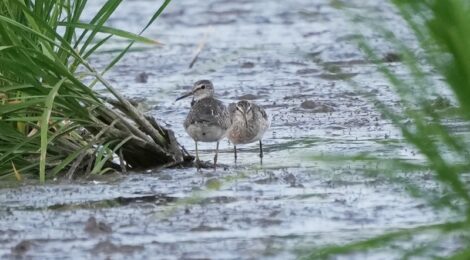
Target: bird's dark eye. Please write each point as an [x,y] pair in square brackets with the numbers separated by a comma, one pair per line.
[203,86]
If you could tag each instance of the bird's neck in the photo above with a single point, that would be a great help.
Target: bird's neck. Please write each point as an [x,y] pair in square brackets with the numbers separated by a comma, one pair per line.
[199,99]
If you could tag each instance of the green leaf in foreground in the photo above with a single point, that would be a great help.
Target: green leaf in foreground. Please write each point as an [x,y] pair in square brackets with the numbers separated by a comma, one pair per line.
[45,129]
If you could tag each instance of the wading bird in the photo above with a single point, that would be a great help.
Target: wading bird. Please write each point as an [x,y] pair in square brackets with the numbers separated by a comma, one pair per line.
[249,123]
[209,119]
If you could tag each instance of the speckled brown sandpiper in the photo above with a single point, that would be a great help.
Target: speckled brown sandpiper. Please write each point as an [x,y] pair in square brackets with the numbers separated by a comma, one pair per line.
[209,119]
[249,123]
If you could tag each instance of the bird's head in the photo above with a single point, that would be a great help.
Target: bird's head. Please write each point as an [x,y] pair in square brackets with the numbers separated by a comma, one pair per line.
[244,110]
[201,89]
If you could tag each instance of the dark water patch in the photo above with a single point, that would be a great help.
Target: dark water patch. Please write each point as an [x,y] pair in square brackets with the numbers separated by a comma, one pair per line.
[297,97]
[337,76]
[270,179]
[439,103]
[306,71]
[392,57]
[309,196]
[346,63]
[158,199]
[217,200]
[92,226]
[313,34]
[265,222]
[317,107]
[110,248]
[358,122]
[204,228]
[22,247]
[142,77]
[247,65]
[248,97]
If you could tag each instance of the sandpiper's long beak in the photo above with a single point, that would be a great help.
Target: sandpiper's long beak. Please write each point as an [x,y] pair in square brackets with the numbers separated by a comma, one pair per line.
[243,113]
[246,121]
[185,95]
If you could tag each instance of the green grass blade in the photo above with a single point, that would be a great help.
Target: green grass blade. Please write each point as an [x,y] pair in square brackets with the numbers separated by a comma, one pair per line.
[110,30]
[45,129]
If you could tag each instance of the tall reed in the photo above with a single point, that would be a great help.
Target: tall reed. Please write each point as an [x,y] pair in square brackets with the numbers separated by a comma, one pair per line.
[50,119]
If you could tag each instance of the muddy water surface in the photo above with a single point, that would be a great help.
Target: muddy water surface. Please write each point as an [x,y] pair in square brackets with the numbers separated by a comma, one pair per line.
[293,59]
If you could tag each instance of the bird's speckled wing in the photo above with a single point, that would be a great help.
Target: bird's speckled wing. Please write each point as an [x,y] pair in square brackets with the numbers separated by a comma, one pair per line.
[232,107]
[208,111]
[262,112]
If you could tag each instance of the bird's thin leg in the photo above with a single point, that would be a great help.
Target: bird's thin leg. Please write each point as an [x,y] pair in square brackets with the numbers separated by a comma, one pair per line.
[261,150]
[216,154]
[198,163]
[235,152]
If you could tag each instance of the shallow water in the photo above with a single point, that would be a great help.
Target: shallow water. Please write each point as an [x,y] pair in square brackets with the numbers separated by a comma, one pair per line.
[290,58]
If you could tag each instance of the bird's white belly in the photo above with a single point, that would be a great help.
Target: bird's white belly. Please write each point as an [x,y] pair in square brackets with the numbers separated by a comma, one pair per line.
[204,133]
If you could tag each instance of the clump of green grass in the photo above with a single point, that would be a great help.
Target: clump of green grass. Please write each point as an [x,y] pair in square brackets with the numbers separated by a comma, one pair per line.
[442,29]
[52,122]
